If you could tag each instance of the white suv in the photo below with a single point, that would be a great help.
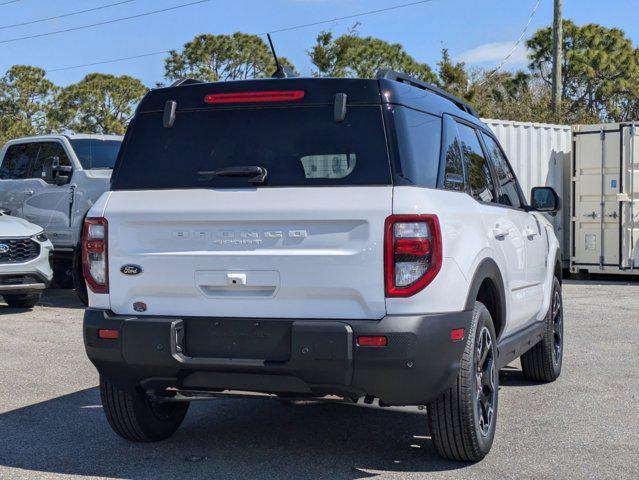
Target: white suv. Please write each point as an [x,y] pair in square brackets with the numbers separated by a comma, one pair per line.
[313,237]
[24,261]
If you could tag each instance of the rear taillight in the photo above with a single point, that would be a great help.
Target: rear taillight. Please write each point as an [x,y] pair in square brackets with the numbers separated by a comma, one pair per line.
[95,254]
[413,253]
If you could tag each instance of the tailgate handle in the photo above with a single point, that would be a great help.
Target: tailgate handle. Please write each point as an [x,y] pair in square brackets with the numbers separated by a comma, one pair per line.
[236,278]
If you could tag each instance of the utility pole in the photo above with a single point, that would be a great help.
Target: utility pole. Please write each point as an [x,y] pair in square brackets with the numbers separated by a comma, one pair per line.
[557,53]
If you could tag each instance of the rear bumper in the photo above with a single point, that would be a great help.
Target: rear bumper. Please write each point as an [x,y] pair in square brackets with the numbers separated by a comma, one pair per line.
[309,357]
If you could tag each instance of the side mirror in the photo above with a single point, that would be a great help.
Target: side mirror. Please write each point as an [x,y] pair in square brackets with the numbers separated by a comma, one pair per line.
[545,199]
[63,169]
[60,180]
[53,171]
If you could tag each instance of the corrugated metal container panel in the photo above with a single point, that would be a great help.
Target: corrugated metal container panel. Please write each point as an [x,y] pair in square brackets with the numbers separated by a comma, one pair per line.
[605,189]
[540,155]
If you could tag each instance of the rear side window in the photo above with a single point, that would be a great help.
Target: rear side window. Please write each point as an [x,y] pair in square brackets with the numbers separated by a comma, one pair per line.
[419,141]
[453,159]
[17,160]
[478,174]
[96,154]
[509,189]
[298,146]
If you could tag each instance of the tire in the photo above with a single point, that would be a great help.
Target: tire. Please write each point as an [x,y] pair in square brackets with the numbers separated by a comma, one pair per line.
[27,300]
[542,363]
[461,421]
[62,272]
[135,417]
[79,284]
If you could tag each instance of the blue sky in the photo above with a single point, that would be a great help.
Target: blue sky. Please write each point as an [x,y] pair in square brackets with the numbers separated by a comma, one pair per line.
[480,32]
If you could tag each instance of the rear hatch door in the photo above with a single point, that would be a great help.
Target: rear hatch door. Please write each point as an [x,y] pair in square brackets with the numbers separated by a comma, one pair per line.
[307,242]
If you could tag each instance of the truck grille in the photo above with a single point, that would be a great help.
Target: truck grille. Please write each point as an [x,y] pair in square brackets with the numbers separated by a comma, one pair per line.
[18,250]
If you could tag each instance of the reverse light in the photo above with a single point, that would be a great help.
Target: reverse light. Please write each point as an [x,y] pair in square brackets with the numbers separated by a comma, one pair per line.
[95,254]
[255,97]
[413,253]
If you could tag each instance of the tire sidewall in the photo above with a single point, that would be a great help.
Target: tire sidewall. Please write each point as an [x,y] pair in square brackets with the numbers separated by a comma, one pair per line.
[78,276]
[556,287]
[483,317]
[26,300]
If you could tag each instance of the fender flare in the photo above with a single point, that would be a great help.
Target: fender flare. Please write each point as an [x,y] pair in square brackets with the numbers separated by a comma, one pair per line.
[558,267]
[488,269]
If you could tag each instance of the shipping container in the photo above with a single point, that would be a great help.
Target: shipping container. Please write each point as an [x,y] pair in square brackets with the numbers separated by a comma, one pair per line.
[540,155]
[604,192]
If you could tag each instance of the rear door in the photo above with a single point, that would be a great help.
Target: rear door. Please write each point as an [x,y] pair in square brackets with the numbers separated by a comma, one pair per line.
[305,243]
[527,237]
[48,196]
[503,225]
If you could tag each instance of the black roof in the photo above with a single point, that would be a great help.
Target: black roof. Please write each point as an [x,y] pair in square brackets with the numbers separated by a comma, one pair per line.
[389,87]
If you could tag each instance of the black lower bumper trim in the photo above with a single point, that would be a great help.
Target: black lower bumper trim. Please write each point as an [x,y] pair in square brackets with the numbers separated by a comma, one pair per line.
[311,357]
[22,283]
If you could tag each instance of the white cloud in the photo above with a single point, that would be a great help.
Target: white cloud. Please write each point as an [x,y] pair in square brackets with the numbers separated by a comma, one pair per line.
[495,53]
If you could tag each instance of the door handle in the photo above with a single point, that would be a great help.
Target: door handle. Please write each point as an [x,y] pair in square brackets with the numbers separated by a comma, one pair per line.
[500,232]
[28,193]
[529,232]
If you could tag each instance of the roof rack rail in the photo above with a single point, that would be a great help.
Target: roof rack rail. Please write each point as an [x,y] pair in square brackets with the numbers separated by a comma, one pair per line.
[404,78]
[185,81]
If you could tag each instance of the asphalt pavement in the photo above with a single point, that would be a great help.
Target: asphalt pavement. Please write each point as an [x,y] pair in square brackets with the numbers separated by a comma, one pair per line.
[584,425]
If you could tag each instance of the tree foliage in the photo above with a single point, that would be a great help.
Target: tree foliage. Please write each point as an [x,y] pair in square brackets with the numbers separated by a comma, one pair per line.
[25,96]
[222,57]
[600,69]
[350,55]
[453,77]
[99,103]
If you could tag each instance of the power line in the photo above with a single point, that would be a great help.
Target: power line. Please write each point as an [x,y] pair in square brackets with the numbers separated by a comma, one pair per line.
[107,22]
[279,30]
[11,1]
[64,15]
[348,17]
[512,50]
[109,61]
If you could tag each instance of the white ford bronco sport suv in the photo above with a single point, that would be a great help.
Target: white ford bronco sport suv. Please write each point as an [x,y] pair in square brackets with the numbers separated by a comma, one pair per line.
[314,237]
[52,181]
[24,261]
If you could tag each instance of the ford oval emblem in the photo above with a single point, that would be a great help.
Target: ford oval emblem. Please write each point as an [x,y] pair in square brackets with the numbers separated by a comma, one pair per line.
[4,248]
[131,269]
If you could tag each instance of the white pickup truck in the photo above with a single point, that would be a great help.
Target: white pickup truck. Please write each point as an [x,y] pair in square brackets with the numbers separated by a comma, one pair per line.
[52,181]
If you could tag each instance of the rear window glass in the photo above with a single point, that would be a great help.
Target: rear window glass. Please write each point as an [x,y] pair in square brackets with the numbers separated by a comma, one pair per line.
[298,146]
[96,154]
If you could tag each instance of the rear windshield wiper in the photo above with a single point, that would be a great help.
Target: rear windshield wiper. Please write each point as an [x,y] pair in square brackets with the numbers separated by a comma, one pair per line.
[258,174]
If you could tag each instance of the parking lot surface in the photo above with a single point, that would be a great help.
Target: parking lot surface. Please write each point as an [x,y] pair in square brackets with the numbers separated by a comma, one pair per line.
[585,425]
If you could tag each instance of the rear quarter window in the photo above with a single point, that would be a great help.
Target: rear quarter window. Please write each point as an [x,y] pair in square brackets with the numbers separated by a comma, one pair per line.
[419,137]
